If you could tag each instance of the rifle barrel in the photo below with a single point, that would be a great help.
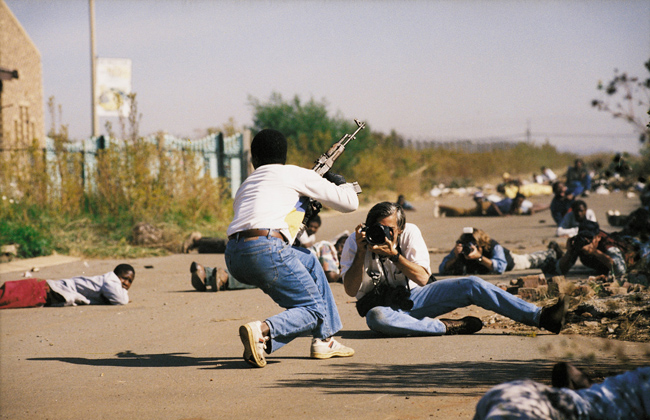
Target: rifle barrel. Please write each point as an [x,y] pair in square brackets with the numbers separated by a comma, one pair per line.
[346,138]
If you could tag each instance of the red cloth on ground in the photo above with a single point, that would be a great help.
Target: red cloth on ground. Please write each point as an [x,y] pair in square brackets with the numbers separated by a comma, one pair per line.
[28,293]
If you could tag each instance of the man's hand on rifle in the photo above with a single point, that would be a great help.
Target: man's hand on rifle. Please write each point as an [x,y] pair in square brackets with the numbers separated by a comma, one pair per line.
[334,178]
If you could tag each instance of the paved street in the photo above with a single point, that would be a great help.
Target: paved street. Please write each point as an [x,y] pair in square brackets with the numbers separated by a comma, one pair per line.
[174,353]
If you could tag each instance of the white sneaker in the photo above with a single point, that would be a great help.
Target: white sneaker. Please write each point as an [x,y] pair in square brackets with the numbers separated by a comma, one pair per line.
[254,343]
[321,349]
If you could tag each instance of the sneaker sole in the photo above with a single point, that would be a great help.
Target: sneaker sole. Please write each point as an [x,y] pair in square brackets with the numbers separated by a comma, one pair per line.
[250,355]
[332,354]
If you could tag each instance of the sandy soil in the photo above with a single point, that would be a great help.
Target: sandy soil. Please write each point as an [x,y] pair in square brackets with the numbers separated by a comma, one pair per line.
[174,353]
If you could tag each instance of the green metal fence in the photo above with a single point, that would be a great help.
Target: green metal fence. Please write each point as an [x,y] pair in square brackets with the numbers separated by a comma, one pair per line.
[219,156]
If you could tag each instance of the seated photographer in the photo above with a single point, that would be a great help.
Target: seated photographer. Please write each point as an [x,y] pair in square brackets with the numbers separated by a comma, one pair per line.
[385,265]
[476,253]
[597,250]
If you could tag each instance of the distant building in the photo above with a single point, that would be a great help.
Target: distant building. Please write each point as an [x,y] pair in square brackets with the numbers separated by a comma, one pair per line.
[21,85]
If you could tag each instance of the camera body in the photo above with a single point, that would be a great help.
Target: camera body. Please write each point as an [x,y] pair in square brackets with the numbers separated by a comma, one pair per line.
[581,240]
[377,234]
[468,247]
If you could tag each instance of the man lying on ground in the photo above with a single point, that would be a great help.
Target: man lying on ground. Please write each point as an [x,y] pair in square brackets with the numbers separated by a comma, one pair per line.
[476,253]
[216,279]
[110,288]
[572,396]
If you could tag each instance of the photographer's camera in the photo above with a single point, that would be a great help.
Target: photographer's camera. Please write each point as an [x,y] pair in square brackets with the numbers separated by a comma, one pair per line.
[468,247]
[377,234]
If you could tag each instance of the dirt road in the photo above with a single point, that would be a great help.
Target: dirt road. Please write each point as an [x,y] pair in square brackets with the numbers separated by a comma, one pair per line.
[174,353]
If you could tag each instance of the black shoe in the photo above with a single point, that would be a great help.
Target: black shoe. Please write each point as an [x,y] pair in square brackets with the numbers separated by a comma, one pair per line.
[556,247]
[565,375]
[553,317]
[198,276]
[467,325]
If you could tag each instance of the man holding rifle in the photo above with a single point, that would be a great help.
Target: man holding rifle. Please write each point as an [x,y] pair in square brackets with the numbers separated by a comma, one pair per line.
[269,208]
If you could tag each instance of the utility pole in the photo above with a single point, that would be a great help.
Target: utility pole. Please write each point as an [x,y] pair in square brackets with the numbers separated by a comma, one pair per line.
[528,131]
[93,61]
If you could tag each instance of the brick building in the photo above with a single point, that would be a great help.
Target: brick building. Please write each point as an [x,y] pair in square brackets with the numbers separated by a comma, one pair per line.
[21,85]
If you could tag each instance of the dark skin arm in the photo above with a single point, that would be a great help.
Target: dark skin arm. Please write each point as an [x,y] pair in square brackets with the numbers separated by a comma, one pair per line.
[589,249]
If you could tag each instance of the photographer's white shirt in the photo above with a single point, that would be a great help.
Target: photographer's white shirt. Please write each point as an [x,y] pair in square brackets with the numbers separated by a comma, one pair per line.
[275,196]
[412,247]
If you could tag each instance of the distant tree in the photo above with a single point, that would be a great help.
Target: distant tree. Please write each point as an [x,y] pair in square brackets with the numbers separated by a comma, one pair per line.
[309,129]
[624,97]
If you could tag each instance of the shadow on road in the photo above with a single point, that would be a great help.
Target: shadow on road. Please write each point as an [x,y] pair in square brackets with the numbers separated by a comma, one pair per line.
[448,378]
[130,359]
[453,378]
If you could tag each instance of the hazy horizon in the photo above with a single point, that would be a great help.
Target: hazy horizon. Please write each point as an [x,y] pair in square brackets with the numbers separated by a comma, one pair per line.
[440,71]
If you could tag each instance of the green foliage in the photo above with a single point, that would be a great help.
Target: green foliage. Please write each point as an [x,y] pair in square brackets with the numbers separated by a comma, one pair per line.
[134,181]
[380,161]
[32,240]
[309,130]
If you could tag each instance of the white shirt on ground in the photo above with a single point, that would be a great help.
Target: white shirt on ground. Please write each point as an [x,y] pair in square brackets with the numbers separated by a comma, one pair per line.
[569,225]
[96,290]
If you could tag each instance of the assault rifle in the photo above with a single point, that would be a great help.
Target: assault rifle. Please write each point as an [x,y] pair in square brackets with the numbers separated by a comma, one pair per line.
[322,166]
[326,160]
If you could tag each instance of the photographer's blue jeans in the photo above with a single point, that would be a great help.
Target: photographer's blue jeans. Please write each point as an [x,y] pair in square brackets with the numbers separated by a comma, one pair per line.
[294,279]
[444,296]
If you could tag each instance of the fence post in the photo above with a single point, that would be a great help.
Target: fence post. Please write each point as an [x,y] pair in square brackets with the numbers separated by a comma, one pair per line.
[246,166]
[221,167]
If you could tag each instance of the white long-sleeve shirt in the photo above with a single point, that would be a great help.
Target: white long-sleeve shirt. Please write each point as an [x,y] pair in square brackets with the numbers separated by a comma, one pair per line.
[274,197]
[569,225]
[96,290]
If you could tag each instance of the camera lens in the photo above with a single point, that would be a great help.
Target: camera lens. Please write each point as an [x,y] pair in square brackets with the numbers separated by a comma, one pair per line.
[377,234]
[467,248]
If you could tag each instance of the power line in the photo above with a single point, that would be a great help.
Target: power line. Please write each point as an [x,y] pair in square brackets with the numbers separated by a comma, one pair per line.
[607,136]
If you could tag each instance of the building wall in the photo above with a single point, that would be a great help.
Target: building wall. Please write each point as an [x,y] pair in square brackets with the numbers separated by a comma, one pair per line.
[21,100]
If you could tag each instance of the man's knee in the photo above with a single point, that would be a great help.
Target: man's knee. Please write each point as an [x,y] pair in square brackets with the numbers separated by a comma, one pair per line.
[376,319]
[473,282]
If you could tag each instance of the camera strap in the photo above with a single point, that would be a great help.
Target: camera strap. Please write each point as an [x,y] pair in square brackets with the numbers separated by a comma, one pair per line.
[380,260]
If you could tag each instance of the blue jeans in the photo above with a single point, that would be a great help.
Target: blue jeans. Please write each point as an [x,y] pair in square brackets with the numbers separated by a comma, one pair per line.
[444,296]
[578,187]
[294,279]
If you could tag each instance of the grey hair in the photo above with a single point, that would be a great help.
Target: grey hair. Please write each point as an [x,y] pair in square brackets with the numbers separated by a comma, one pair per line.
[383,210]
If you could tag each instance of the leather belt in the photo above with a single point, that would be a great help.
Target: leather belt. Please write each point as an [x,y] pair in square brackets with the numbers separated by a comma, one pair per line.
[250,233]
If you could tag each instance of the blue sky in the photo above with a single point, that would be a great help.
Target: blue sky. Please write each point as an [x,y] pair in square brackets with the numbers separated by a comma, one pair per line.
[439,70]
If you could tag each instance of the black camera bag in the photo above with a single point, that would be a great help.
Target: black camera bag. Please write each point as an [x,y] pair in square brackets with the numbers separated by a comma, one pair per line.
[385,295]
